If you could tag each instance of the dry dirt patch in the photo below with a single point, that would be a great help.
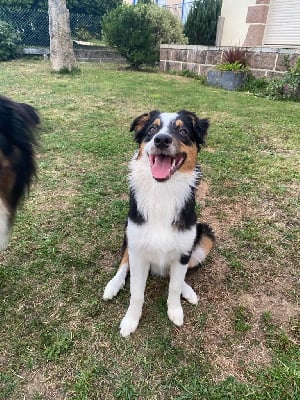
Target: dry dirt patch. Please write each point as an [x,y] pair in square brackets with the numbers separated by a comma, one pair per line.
[232,352]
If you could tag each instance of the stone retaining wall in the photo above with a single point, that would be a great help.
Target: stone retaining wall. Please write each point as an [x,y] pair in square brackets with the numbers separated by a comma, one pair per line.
[263,61]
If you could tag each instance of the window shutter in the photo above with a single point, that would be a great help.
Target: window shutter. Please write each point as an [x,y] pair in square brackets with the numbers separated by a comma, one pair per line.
[283,23]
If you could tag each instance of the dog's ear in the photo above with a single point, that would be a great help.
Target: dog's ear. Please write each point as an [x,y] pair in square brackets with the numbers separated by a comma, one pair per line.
[140,123]
[199,126]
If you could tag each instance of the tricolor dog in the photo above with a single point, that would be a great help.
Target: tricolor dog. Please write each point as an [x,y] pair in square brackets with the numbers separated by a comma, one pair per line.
[162,234]
[17,159]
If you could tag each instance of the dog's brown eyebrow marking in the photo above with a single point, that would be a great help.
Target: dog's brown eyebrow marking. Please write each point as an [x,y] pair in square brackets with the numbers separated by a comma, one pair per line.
[179,123]
[157,122]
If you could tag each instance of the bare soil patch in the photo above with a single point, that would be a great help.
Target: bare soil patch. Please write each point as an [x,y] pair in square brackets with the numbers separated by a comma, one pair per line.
[231,352]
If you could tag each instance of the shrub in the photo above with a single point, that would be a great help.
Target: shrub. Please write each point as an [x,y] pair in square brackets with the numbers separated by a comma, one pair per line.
[202,21]
[138,31]
[83,34]
[9,42]
[256,85]
[287,87]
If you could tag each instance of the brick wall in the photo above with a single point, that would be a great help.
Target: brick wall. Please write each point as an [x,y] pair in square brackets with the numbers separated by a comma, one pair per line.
[263,61]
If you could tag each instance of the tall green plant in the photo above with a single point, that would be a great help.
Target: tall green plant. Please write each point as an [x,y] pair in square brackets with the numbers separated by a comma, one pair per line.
[138,31]
[9,42]
[202,20]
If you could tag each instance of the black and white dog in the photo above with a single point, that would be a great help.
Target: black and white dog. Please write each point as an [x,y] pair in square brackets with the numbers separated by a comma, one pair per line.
[17,159]
[162,233]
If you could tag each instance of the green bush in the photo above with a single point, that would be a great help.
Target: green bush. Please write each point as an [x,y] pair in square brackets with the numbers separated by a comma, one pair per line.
[287,87]
[256,85]
[202,21]
[137,32]
[9,42]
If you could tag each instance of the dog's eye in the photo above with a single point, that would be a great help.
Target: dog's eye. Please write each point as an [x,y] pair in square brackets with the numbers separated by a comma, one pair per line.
[152,131]
[183,132]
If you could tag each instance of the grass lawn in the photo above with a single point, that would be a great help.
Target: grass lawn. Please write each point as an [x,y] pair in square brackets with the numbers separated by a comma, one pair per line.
[59,339]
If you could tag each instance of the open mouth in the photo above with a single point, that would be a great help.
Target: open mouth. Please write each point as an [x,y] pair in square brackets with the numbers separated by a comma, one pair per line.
[163,166]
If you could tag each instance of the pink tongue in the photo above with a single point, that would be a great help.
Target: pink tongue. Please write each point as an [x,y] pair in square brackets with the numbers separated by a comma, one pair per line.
[161,167]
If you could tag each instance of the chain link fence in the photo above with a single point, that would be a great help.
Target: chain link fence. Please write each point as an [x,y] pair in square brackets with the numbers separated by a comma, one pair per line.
[33,25]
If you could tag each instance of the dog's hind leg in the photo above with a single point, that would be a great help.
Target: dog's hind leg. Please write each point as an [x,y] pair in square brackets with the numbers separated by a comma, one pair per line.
[118,281]
[203,244]
[188,293]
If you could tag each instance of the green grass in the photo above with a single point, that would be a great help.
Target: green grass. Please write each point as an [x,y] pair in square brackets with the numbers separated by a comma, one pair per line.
[58,339]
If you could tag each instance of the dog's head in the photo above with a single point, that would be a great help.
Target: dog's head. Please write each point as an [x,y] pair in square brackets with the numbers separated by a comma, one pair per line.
[171,141]
[17,161]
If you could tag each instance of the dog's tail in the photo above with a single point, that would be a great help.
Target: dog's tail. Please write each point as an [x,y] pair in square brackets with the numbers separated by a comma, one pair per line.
[204,242]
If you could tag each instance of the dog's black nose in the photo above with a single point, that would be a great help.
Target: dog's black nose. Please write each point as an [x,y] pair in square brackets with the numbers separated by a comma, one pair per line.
[162,140]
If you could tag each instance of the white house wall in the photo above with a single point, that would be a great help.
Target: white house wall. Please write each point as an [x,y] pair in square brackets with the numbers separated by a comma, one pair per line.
[235,29]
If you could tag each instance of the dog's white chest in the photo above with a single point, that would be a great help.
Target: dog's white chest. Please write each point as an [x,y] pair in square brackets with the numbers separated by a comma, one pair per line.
[160,204]
[160,242]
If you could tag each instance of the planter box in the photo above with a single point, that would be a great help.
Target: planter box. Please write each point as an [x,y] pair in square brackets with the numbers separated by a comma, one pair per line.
[229,80]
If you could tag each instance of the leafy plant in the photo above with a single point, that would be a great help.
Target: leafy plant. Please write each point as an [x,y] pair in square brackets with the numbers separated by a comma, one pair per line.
[83,34]
[287,87]
[235,55]
[9,42]
[138,31]
[242,317]
[235,66]
[202,20]
[256,85]
[59,346]
[234,59]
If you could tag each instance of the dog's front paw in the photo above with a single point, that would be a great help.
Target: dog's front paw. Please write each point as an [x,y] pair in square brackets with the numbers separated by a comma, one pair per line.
[128,325]
[176,315]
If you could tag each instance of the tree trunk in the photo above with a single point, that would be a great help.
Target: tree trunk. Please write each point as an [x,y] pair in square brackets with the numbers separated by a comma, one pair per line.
[61,46]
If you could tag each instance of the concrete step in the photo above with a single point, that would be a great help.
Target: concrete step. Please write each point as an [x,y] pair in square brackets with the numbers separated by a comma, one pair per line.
[93,53]
[83,53]
[98,55]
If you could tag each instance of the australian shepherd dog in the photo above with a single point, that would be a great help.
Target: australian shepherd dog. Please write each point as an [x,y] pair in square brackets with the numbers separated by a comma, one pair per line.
[162,234]
[17,159]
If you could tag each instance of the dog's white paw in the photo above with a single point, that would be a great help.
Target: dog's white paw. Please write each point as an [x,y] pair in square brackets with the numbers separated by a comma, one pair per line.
[176,315]
[112,288]
[128,325]
[189,294]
